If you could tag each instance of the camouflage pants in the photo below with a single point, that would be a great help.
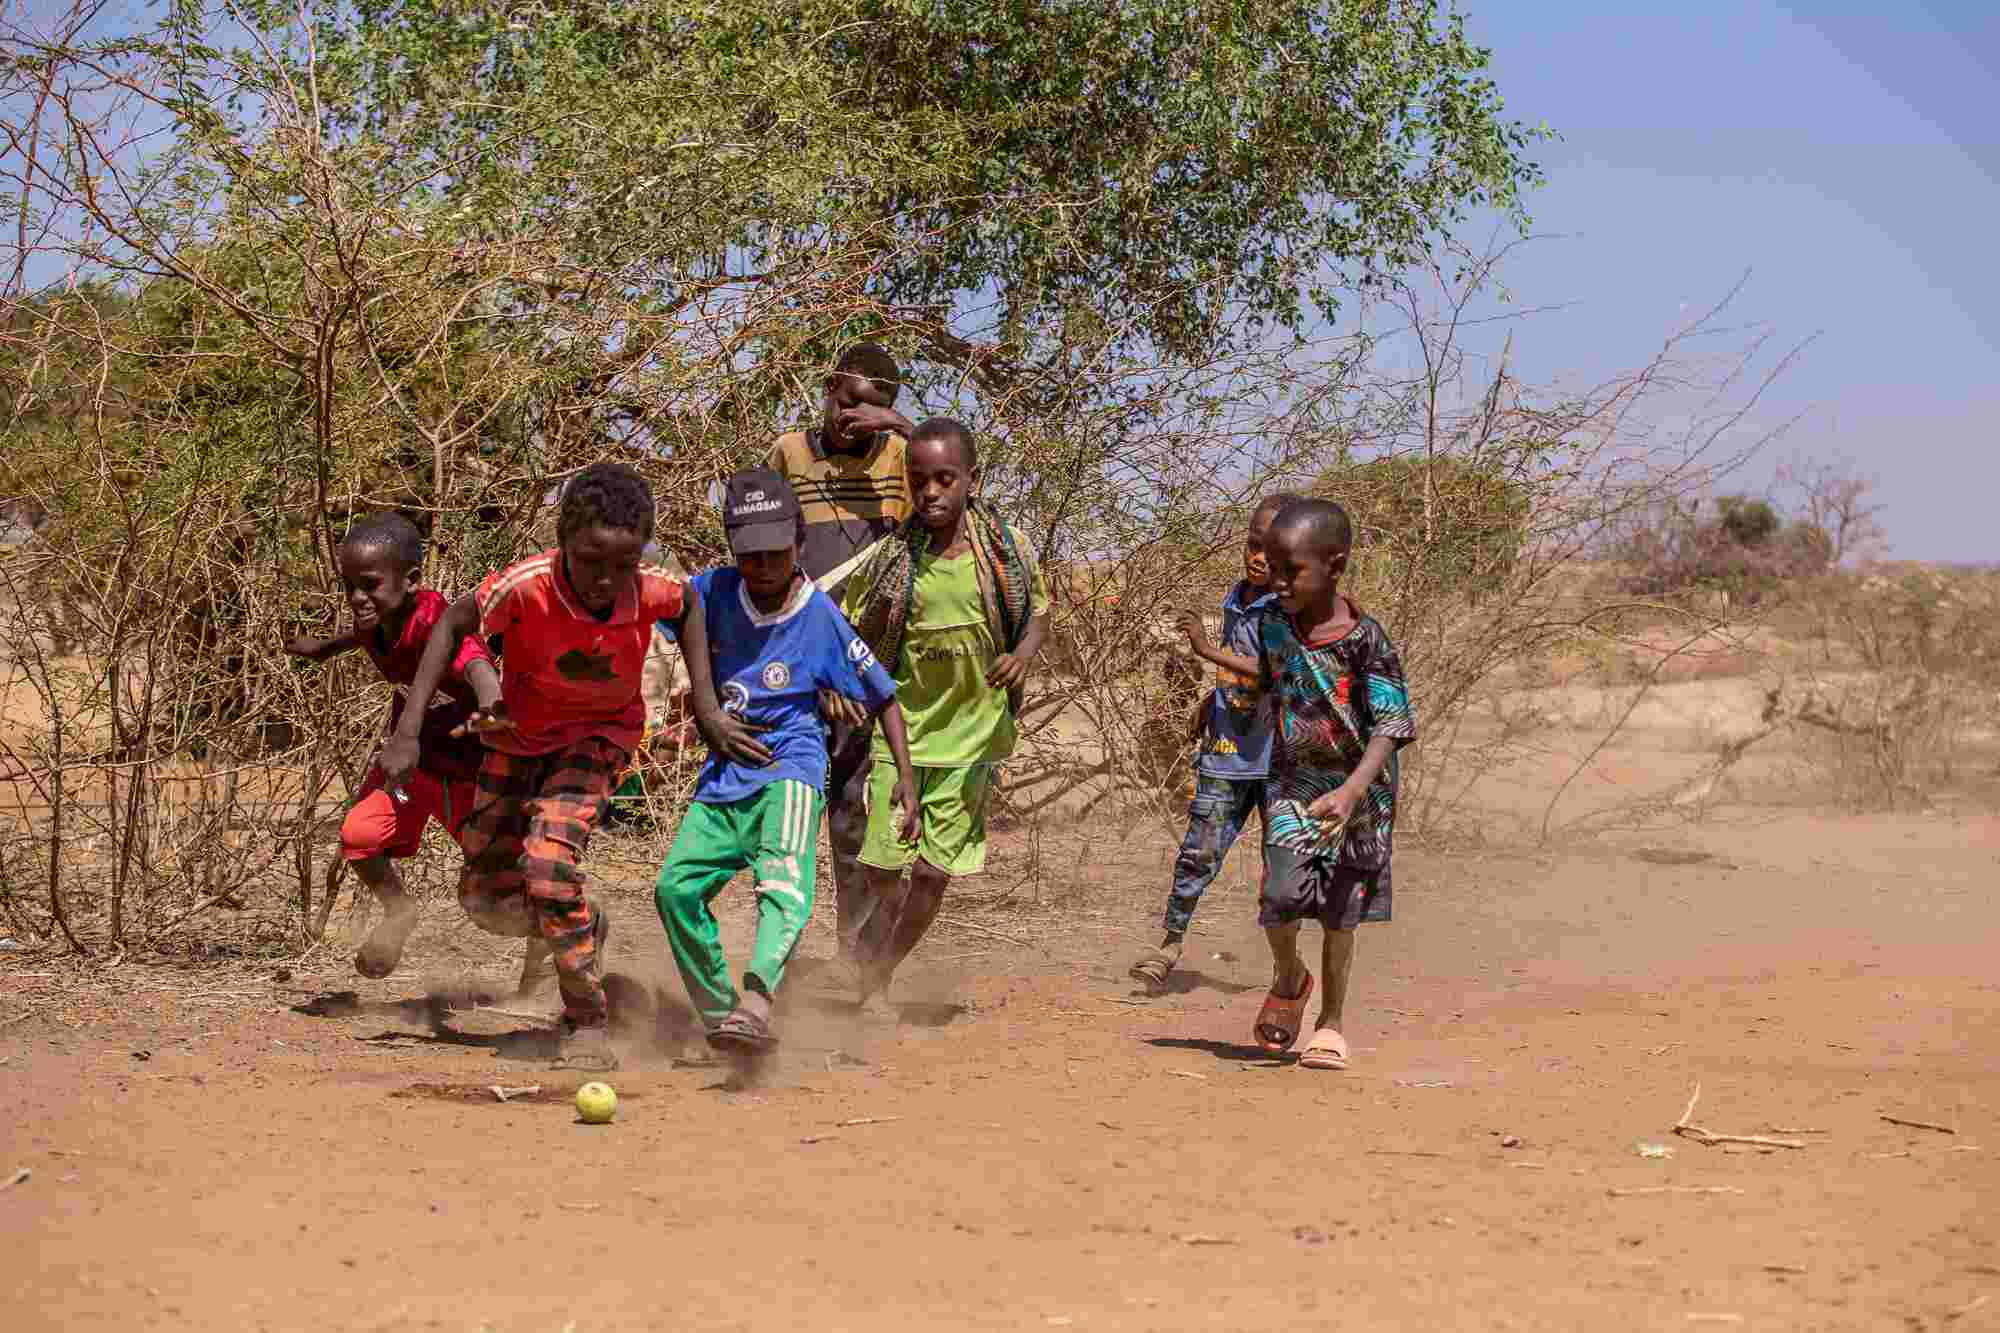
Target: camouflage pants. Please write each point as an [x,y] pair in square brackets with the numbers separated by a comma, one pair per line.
[1216,818]
[530,823]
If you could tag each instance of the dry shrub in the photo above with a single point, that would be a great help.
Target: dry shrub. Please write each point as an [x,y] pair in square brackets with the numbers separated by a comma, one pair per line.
[1901,701]
[310,321]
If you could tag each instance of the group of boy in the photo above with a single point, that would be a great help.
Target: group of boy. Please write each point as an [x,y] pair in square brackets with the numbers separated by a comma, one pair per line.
[861,658]
[897,701]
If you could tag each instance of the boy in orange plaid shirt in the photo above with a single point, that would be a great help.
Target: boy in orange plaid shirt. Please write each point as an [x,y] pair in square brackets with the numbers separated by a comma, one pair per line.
[577,622]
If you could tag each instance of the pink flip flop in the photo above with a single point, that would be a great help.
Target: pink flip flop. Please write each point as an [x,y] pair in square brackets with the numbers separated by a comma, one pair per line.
[1326,1050]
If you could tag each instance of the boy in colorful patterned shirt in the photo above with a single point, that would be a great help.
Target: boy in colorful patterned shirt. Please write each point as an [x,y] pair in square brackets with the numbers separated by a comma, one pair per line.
[777,641]
[1234,727]
[1343,713]
[954,605]
[381,558]
[577,622]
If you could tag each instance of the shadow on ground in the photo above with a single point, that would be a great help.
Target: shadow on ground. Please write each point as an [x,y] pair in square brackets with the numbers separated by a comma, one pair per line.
[1221,1050]
[1182,980]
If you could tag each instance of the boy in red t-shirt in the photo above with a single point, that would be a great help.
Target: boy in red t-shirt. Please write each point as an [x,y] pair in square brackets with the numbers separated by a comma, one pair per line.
[380,559]
[577,622]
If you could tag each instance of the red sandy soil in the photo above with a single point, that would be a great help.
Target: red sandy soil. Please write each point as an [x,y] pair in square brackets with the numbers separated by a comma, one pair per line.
[222,1152]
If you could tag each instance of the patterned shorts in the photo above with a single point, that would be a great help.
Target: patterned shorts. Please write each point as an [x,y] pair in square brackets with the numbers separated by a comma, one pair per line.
[530,824]
[1302,886]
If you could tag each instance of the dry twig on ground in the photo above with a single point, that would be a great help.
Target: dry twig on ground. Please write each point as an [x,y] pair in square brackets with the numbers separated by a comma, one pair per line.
[1709,1138]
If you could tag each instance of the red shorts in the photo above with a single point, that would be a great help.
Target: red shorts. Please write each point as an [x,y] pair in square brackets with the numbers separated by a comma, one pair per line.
[378,825]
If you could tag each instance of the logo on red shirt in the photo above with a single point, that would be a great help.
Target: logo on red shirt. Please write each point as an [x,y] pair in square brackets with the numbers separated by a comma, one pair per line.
[576,664]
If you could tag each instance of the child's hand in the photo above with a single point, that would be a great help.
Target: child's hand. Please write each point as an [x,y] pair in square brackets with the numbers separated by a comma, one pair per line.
[837,707]
[1007,671]
[303,646]
[860,422]
[1192,625]
[1334,809]
[397,761]
[911,823]
[734,739]
[486,721]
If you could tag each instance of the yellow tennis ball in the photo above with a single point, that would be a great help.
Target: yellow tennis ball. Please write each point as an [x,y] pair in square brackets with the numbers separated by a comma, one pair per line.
[596,1103]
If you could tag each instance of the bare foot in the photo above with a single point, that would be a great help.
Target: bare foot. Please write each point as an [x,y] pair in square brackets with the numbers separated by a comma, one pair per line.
[383,949]
[538,968]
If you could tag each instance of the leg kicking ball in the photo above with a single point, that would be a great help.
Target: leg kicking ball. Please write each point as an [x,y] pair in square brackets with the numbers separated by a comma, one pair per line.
[596,1103]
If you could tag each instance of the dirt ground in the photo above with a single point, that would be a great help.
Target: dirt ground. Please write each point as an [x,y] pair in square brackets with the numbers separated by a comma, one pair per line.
[1034,1147]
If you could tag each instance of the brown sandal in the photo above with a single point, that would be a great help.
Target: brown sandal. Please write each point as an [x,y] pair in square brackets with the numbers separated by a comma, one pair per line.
[742,1033]
[1279,1021]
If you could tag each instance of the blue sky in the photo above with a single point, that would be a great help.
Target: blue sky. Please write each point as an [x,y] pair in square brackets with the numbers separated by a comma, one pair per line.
[1846,155]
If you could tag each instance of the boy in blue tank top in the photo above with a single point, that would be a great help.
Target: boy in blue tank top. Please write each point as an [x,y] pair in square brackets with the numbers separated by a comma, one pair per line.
[776,642]
[1235,753]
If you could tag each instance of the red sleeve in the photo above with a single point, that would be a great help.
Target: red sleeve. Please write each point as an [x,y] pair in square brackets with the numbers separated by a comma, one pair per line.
[472,648]
[661,596]
[501,593]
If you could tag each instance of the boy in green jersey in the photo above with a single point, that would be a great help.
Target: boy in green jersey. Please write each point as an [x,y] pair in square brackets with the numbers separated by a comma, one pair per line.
[954,605]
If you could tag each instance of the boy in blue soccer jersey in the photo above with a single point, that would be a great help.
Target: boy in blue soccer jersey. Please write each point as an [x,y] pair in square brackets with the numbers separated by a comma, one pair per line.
[776,641]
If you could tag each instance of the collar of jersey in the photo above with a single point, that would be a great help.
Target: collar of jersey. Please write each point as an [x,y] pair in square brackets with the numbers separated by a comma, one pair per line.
[822,449]
[803,591]
[624,610]
[1242,603]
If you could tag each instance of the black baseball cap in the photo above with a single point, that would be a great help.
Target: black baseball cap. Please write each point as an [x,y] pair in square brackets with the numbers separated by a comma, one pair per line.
[759,512]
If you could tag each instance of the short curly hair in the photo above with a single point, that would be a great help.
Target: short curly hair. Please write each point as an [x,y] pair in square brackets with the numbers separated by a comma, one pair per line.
[1324,521]
[1273,505]
[387,531]
[872,361]
[608,493]
[952,432]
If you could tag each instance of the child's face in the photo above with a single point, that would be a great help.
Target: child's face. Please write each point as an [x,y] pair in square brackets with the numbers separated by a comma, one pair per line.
[1305,575]
[377,584]
[1256,549]
[768,573]
[601,560]
[843,394]
[940,483]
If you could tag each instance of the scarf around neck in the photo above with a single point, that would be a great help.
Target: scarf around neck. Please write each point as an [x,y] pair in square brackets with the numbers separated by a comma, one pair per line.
[1001,564]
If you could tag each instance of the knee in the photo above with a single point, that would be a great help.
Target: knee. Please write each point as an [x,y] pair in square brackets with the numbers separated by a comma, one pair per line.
[784,890]
[675,897]
[1201,849]
[505,918]
[927,879]
[554,877]
[360,837]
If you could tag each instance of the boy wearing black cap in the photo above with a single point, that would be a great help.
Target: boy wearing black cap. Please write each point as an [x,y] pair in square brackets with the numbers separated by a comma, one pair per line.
[776,641]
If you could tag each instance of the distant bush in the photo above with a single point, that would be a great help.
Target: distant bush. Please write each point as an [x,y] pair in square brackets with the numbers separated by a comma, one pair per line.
[1450,522]
[1736,544]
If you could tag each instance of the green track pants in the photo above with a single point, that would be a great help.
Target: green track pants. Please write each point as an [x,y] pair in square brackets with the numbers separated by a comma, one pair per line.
[773,832]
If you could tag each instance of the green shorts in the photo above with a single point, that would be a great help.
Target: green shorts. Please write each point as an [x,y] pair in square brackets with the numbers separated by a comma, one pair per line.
[953,801]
